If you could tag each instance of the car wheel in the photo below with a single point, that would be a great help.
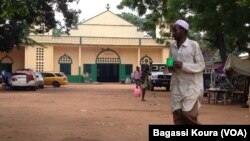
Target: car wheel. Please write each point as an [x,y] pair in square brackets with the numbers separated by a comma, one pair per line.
[33,88]
[55,84]
[14,88]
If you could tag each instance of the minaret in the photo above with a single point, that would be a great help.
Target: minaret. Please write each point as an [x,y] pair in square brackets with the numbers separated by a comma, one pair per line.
[108,7]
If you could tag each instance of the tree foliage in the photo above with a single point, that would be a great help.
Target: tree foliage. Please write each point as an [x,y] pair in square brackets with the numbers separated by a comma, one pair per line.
[135,20]
[222,21]
[18,18]
[144,24]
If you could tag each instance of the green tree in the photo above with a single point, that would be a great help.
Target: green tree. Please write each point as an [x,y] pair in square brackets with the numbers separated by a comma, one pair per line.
[144,24]
[223,22]
[18,18]
[135,20]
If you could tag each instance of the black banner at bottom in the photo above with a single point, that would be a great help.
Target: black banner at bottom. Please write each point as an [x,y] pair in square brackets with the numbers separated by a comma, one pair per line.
[208,132]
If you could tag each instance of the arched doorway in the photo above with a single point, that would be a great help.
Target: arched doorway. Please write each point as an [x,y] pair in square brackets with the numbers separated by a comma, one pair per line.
[65,62]
[145,60]
[108,66]
[6,64]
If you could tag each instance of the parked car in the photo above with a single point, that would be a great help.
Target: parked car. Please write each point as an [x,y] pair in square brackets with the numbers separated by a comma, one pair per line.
[24,78]
[160,77]
[39,80]
[56,79]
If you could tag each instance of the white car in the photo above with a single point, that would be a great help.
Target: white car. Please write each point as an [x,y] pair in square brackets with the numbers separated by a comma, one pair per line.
[24,78]
[160,77]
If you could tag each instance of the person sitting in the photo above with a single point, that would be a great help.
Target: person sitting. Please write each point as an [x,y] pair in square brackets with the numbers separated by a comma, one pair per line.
[246,93]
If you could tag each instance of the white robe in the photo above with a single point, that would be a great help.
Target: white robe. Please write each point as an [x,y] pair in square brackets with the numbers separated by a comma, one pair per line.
[187,83]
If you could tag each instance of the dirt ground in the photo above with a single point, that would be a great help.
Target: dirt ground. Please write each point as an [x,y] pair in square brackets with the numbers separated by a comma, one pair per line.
[96,112]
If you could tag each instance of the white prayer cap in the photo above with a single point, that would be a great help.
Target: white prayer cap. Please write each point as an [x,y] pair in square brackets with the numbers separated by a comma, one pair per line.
[182,23]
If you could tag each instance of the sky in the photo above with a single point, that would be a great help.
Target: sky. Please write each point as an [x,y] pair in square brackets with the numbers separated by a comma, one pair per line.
[91,8]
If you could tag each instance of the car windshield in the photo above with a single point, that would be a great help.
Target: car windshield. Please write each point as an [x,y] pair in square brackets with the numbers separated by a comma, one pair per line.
[39,75]
[157,68]
[59,74]
[18,74]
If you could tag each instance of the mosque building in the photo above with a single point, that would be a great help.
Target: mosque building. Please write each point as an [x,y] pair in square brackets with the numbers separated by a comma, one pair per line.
[104,48]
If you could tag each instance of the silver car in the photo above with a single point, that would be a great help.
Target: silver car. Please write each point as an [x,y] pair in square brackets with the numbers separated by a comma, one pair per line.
[39,80]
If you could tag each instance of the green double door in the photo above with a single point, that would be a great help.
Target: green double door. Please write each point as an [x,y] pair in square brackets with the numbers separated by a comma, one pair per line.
[108,72]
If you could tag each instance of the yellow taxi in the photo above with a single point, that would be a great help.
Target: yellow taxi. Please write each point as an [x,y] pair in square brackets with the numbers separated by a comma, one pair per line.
[56,79]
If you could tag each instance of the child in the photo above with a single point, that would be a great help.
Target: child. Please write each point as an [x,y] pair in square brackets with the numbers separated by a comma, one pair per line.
[137,76]
[144,81]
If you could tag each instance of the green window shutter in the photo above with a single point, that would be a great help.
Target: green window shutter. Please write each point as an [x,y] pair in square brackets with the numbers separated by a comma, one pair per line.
[87,72]
[65,68]
[128,69]
[94,72]
[87,68]
[90,69]
[122,72]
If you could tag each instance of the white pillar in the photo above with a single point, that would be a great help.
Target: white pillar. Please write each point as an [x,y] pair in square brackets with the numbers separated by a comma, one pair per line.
[138,56]
[165,54]
[80,60]
[52,56]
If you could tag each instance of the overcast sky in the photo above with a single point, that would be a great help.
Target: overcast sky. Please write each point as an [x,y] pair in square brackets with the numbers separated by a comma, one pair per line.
[92,8]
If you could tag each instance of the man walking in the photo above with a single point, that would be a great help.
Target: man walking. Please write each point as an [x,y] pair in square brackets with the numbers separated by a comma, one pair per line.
[187,76]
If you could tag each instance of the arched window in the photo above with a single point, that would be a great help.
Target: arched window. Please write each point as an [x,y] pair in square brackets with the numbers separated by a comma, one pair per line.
[6,64]
[108,56]
[145,60]
[65,62]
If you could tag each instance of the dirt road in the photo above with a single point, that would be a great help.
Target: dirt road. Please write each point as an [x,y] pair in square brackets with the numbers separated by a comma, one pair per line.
[95,112]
